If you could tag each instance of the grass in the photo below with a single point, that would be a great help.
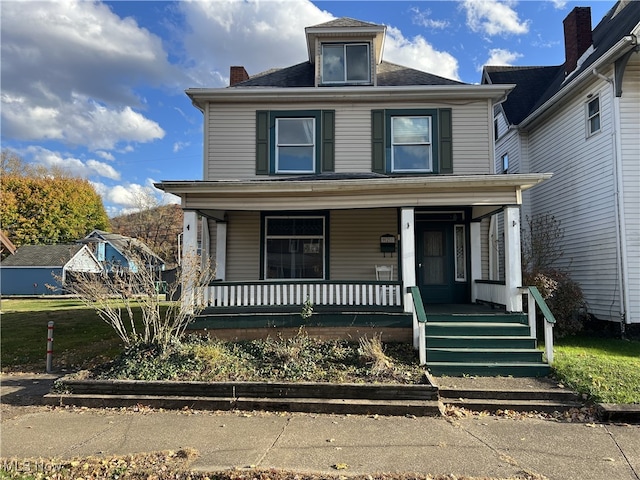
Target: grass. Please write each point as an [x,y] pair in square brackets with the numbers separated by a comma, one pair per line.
[605,369]
[80,339]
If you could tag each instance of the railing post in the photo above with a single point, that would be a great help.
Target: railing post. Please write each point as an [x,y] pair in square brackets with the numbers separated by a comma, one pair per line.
[422,343]
[531,314]
[548,341]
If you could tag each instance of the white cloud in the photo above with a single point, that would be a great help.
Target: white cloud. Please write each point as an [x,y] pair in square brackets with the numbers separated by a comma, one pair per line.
[129,197]
[419,54]
[177,146]
[105,155]
[559,4]
[256,35]
[500,56]
[493,17]
[81,168]
[423,18]
[69,70]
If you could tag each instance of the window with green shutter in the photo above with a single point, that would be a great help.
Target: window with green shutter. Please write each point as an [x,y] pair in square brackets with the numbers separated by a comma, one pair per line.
[407,141]
[295,142]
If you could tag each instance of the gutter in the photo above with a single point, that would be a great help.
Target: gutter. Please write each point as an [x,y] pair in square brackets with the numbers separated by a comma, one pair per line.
[624,44]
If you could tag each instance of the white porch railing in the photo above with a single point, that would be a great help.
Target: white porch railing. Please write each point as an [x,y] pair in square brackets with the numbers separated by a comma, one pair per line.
[325,293]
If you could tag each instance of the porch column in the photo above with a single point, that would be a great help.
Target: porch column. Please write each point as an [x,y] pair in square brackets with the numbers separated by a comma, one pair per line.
[476,258]
[221,250]
[512,259]
[189,250]
[408,262]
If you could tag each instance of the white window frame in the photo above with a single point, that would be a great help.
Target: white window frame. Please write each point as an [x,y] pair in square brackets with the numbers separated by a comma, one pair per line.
[505,163]
[346,67]
[428,143]
[322,240]
[460,272]
[590,117]
[278,145]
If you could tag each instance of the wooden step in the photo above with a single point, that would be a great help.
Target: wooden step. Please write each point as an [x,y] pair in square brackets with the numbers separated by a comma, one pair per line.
[485,341]
[482,355]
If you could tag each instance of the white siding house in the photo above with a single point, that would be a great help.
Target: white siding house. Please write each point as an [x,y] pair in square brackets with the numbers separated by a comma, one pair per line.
[581,121]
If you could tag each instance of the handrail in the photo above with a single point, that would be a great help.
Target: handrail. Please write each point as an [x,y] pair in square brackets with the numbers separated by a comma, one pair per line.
[535,298]
[419,321]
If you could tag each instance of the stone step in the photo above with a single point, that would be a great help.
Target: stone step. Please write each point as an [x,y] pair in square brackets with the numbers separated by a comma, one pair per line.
[488,369]
[308,405]
[556,394]
[518,405]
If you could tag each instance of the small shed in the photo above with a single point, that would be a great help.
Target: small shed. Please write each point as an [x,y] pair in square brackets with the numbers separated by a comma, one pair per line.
[33,267]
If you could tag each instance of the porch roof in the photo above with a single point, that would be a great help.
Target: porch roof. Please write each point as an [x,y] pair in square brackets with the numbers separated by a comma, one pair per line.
[344,191]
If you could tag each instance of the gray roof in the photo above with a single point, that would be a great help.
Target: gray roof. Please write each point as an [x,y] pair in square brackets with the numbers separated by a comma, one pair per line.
[122,243]
[542,83]
[42,256]
[345,22]
[302,75]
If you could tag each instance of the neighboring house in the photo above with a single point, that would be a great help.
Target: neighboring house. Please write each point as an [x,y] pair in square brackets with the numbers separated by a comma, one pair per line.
[318,173]
[119,253]
[581,121]
[35,267]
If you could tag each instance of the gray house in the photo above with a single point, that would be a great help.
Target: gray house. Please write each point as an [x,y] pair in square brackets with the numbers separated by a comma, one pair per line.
[33,267]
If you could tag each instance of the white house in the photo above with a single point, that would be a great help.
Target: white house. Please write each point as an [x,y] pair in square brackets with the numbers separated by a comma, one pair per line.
[581,121]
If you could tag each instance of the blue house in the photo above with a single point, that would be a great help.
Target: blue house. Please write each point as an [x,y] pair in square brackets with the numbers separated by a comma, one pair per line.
[35,267]
[114,252]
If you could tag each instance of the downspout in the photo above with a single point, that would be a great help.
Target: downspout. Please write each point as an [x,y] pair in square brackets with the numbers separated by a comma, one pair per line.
[621,246]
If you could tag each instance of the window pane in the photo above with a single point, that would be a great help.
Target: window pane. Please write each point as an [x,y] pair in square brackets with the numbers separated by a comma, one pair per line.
[295,159]
[411,157]
[295,131]
[293,254]
[295,227]
[410,130]
[594,107]
[333,63]
[357,63]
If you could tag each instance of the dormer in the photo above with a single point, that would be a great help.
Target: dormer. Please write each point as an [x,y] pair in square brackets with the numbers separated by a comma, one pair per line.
[345,52]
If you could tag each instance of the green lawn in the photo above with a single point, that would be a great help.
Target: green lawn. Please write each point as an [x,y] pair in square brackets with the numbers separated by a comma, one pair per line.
[606,369]
[81,339]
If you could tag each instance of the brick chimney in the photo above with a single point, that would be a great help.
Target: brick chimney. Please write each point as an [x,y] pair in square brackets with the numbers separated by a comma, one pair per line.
[577,36]
[237,75]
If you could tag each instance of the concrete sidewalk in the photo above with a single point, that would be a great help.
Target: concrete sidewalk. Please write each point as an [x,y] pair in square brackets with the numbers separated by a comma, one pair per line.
[473,446]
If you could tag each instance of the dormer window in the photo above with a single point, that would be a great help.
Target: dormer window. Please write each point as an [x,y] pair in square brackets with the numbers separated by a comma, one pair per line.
[346,63]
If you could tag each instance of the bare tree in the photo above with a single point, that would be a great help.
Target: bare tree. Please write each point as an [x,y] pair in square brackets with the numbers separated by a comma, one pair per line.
[115,296]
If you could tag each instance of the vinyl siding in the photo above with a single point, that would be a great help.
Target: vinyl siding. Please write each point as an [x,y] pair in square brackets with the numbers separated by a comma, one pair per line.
[355,243]
[243,246]
[580,195]
[630,147]
[231,136]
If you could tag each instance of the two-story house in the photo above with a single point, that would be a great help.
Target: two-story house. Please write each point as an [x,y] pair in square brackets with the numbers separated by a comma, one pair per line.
[345,180]
[581,120]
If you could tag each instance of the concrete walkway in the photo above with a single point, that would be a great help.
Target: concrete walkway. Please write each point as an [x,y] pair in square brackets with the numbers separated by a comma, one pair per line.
[473,446]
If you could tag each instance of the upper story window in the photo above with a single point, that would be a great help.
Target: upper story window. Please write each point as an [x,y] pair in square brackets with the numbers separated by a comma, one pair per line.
[295,141]
[411,146]
[411,141]
[295,150]
[505,163]
[593,116]
[346,63]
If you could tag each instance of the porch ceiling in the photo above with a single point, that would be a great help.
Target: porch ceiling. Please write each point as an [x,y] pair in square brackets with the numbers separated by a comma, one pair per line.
[314,194]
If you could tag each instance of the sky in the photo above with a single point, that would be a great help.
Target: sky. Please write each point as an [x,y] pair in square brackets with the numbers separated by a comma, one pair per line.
[97,87]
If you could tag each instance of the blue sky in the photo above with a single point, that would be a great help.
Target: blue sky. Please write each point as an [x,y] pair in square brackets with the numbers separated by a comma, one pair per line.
[98,87]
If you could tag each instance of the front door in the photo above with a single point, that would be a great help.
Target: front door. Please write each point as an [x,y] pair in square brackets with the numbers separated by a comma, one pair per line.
[441,248]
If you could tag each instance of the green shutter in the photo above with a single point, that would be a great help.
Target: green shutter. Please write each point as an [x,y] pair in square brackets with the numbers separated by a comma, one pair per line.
[262,142]
[328,140]
[377,141]
[445,140]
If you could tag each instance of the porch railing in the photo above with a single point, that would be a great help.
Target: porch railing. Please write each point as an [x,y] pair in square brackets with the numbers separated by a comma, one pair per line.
[535,298]
[292,293]
[419,322]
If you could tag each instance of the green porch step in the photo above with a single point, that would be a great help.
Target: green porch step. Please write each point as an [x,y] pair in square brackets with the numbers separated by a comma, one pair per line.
[498,317]
[489,369]
[468,355]
[474,329]
[484,341]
